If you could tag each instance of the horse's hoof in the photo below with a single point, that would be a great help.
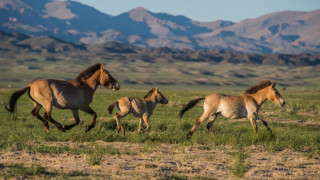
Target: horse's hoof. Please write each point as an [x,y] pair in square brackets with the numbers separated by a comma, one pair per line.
[46,129]
[189,135]
[66,127]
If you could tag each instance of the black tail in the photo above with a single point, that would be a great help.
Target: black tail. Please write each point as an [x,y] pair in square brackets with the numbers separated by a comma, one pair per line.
[14,97]
[110,108]
[190,105]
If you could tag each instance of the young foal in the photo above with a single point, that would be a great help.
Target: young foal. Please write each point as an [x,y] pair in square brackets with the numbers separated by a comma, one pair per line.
[141,108]
[74,94]
[246,105]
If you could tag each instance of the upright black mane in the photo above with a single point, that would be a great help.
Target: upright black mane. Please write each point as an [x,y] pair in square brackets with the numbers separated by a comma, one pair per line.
[149,93]
[254,89]
[89,71]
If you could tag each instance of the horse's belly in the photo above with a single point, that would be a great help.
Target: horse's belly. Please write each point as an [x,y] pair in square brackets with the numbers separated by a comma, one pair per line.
[67,102]
[235,113]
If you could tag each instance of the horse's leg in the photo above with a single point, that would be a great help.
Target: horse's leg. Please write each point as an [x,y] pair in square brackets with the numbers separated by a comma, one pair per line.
[47,115]
[140,125]
[203,117]
[118,116]
[252,119]
[210,124]
[264,123]
[35,113]
[94,117]
[146,120]
[75,114]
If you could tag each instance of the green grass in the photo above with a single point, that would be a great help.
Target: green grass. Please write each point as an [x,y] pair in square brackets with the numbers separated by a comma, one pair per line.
[21,130]
[166,127]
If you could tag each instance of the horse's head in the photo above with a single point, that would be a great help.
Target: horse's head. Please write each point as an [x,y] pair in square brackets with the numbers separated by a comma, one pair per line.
[155,93]
[107,80]
[274,95]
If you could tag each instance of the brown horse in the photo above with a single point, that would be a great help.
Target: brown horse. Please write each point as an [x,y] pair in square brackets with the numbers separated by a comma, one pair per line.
[246,105]
[141,108]
[74,94]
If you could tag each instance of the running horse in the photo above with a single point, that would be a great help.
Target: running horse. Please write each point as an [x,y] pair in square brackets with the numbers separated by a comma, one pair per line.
[74,94]
[142,108]
[246,105]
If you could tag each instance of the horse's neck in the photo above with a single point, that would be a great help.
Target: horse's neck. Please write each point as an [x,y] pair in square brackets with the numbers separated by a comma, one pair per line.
[151,102]
[261,96]
[92,81]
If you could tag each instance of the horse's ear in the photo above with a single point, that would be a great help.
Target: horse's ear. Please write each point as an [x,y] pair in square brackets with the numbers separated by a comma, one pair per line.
[102,67]
[157,88]
[273,84]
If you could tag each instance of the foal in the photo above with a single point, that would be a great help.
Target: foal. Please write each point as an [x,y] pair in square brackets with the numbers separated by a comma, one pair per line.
[141,108]
[246,105]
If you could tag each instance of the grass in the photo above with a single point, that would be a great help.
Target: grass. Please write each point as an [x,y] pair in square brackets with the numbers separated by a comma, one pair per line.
[21,130]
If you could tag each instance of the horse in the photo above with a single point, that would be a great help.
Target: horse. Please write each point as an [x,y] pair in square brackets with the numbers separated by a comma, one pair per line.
[74,94]
[246,105]
[141,108]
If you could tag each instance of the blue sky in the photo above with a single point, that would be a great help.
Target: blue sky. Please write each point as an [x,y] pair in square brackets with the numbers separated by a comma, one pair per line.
[206,10]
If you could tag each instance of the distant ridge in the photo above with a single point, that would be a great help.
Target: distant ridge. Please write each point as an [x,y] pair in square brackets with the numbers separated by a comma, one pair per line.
[287,32]
[19,43]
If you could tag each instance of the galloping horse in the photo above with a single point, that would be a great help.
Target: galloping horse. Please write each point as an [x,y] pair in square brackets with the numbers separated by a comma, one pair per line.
[246,105]
[141,108]
[74,94]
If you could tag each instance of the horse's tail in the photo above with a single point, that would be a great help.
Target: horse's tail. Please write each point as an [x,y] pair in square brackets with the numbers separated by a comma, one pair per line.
[14,98]
[110,108]
[190,105]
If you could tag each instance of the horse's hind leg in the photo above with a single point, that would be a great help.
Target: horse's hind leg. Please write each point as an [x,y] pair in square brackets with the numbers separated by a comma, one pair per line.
[47,115]
[118,116]
[203,117]
[35,113]
[94,117]
[210,124]
[75,114]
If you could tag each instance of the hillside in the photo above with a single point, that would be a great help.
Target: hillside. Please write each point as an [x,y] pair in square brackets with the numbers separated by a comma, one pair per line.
[18,43]
[288,32]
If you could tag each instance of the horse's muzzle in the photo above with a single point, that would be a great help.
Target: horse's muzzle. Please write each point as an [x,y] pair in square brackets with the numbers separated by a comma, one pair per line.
[116,87]
[282,102]
[165,101]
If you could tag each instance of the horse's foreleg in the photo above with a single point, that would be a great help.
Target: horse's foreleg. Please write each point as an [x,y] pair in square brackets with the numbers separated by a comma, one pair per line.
[94,117]
[140,125]
[75,114]
[264,123]
[146,120]
[210,124]
[35,113]
[252,119]
[47,115]
[197,122]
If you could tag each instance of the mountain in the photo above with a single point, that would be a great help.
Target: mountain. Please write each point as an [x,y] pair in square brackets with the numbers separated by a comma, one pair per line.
[289,32]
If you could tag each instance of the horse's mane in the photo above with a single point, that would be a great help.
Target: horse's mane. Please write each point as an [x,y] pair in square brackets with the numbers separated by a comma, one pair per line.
[89,71]
[149,94]
[254,89]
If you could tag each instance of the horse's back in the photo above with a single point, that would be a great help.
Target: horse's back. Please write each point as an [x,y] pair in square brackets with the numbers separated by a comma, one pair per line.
[61,94]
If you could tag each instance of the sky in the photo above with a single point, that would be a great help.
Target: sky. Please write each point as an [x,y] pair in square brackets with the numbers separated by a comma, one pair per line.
[205,10]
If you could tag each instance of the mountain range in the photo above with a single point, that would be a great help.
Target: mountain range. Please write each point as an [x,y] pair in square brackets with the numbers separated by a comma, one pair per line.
[287,32]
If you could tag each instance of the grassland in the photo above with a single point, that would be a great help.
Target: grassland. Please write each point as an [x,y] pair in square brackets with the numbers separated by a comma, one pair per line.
[295,129]
[165,152]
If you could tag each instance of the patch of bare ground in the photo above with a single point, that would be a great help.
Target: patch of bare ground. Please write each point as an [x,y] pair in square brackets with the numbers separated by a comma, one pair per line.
[164,160]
